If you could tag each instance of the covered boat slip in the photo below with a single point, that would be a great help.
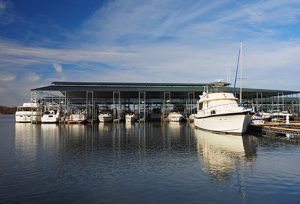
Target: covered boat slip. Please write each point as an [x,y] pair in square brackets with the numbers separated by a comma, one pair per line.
[143,98]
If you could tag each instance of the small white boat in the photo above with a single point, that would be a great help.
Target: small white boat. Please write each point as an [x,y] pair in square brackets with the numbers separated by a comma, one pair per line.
[51,116]
[76,118]
[130,117]
[29,113]
[192,117]
[281,116]
[265,116]
[105,117]
[257,120]
[175,117]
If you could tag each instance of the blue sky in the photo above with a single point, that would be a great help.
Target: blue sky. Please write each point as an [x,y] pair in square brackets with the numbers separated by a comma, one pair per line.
[146,41]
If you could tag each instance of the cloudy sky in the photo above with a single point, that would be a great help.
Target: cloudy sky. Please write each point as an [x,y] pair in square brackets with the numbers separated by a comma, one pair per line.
[146,41]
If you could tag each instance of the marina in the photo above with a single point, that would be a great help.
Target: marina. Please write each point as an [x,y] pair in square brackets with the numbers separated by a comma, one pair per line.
[88,102]
[151,101]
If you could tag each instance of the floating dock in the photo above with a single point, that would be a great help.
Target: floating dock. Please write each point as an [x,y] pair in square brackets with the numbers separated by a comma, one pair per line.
[279,131]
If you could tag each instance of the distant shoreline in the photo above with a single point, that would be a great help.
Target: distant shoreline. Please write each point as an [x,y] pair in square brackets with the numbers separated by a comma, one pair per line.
[4,110]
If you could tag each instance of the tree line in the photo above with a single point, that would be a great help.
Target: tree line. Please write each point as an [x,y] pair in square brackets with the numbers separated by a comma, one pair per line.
[7,110]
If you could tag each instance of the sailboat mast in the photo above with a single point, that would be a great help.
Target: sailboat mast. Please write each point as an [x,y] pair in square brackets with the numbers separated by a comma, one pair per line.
[241,76]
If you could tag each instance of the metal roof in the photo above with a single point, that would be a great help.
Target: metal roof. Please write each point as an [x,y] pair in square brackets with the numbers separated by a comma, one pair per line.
[119,86]
[152,87]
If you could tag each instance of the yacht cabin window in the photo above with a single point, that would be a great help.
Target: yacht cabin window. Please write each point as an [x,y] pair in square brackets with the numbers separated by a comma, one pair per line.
[200,106]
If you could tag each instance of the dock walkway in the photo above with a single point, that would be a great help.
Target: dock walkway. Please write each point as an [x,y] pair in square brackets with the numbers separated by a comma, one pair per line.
[280,130]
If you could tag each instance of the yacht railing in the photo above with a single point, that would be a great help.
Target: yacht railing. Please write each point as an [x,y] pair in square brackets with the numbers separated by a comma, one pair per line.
[221,109]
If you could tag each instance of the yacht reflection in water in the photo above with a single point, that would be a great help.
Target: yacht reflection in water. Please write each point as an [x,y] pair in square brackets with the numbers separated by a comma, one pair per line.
[25,140]
[224,154]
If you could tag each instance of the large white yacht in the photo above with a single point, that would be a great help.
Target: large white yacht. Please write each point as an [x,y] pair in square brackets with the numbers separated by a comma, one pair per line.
[29,113]
[219,111]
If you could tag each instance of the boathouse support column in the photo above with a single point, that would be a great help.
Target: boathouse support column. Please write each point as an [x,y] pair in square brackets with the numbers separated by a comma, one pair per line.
[298,105]
[261,101]
[166,100]
[142,103]
[90,105]
[117,104]
[190,103]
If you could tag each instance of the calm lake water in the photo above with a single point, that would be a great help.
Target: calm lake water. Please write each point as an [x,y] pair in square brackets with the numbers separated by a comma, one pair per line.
[142,163]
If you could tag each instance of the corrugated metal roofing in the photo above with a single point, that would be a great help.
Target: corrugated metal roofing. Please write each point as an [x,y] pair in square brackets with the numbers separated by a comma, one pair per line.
[151,87]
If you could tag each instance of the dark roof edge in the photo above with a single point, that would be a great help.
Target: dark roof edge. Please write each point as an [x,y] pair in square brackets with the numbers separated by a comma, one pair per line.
[125,83]
[57,84]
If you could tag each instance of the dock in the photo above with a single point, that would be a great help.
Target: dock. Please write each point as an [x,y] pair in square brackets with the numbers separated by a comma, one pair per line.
[279,131]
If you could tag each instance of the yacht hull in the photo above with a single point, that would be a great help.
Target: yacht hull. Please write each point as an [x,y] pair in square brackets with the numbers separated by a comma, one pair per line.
[50,119]
[76,118]
[130,118]
[236,123]
[105,118]
[175,117]
[27,117]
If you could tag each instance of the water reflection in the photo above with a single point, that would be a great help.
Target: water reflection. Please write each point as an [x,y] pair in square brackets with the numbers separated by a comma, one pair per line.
[26,141]
[223,155]
[67,163]
[104,136]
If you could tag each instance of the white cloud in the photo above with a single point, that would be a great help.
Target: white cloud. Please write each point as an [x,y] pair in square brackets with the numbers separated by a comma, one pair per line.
[167,41]
[7,77]
[33,77]
[6,12]
[2,5]
[57,67]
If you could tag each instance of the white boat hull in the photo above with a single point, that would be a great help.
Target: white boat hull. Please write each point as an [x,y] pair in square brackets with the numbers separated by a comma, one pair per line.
[28,113]
[76,118]
[231,123]
[28,117]
[129,118]
[175,117]
[50,119]
[105,118]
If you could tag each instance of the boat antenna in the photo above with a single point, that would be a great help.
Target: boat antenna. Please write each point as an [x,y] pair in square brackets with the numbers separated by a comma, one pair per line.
[236,72]
[241,79]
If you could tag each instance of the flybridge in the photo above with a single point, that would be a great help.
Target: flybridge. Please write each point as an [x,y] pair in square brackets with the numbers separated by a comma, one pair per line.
[219,84]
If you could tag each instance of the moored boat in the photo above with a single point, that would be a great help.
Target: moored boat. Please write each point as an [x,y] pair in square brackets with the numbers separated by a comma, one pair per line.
[219,111]
[29,113]
[105,117]
[130,117]
[257,120]
[277,116]
[175,117]
[76,118]
[51,116]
